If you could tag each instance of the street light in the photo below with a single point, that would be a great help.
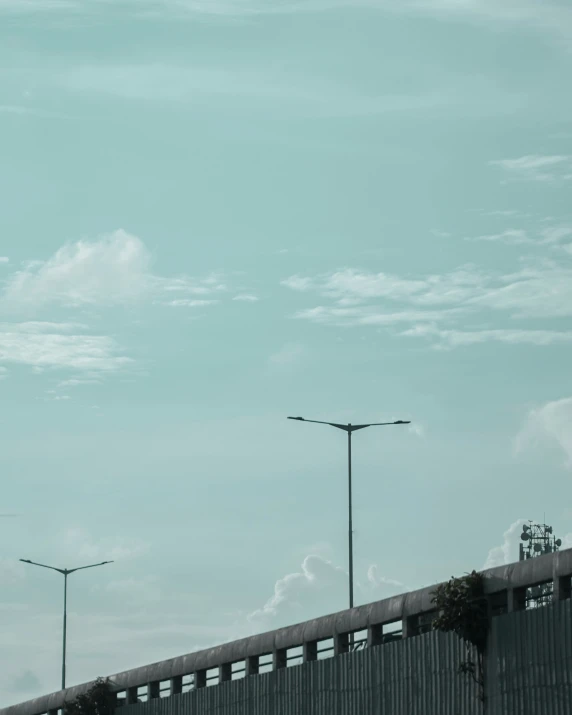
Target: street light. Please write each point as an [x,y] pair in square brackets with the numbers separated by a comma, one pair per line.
[349,428]
[66,573]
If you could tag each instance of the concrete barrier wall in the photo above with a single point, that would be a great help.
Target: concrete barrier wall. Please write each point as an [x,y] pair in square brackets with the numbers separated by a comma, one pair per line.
[505,587]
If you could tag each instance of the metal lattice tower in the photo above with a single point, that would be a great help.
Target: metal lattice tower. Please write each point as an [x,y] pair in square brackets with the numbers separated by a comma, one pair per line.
[538,540]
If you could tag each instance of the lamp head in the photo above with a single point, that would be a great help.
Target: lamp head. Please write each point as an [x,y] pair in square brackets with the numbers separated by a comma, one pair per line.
[26,561]
[296,418]
[402,422]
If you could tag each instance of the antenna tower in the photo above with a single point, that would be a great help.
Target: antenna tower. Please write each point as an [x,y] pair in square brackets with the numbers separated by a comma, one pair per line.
[538,540]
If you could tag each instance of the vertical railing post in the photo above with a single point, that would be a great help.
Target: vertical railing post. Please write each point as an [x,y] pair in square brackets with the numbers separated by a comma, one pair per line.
[279,659]
[201,679]
[516,599]
[407,627]
[374,635]
[341,643]
[176,685]
[309,651]
[252,665]
[225,672]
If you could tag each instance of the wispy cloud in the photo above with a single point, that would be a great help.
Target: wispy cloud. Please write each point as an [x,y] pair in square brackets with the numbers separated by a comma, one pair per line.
[368,315]
[551,17]
[513,236]
[457,338]
[434,304]
[536,168]
[190,303]
[555,234]
[4,259]
[550,423]
[76,381]
[57,346]
[246,297]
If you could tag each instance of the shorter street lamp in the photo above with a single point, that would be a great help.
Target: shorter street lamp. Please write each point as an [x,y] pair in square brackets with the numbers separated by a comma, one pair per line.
[66,573]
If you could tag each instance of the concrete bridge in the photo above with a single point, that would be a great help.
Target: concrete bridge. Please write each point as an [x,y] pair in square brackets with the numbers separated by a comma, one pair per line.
[398,665]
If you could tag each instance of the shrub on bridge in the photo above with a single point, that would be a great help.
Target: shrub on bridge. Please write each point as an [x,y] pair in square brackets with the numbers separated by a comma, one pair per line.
[98,700]
[463,609]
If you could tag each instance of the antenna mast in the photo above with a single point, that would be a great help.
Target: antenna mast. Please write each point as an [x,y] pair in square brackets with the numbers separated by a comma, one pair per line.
[538,540]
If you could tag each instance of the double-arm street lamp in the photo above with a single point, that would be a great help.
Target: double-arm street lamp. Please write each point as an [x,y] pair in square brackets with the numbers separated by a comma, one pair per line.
[66,573]
[349,428]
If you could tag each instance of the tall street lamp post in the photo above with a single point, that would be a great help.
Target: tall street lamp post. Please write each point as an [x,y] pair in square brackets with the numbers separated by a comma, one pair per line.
[66,573]
[349,428]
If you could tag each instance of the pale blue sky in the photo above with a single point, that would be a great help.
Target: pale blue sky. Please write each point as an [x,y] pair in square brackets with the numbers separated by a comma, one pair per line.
[217,214]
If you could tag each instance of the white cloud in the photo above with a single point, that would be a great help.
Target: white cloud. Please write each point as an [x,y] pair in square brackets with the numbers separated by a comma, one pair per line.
[535,167]
[507,552]
[540,289]
[362,286]
[4,259]
[549,424]
[3,373]
[50,345]
[319,588]
[75,381]
[503,212]
[555,234]
[190,303]
[457,338]
[112,270]
[379,587]
[512,236]
[246,297]
[366,315]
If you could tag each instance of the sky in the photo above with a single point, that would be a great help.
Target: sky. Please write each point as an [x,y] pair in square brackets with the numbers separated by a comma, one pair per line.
[218,214]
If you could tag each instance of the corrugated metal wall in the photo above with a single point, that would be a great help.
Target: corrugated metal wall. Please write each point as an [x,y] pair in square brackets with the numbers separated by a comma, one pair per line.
[416,676]
[529,672]
[529,669]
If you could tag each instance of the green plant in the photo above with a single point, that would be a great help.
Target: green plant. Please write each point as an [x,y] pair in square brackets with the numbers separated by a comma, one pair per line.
[463,609]
[98,700]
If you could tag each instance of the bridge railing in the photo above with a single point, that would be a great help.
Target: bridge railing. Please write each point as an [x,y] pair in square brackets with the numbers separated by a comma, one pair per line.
[507,589]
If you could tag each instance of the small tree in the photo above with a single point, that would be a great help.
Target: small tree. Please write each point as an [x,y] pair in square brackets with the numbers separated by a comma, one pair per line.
[98,700]
[463,609]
